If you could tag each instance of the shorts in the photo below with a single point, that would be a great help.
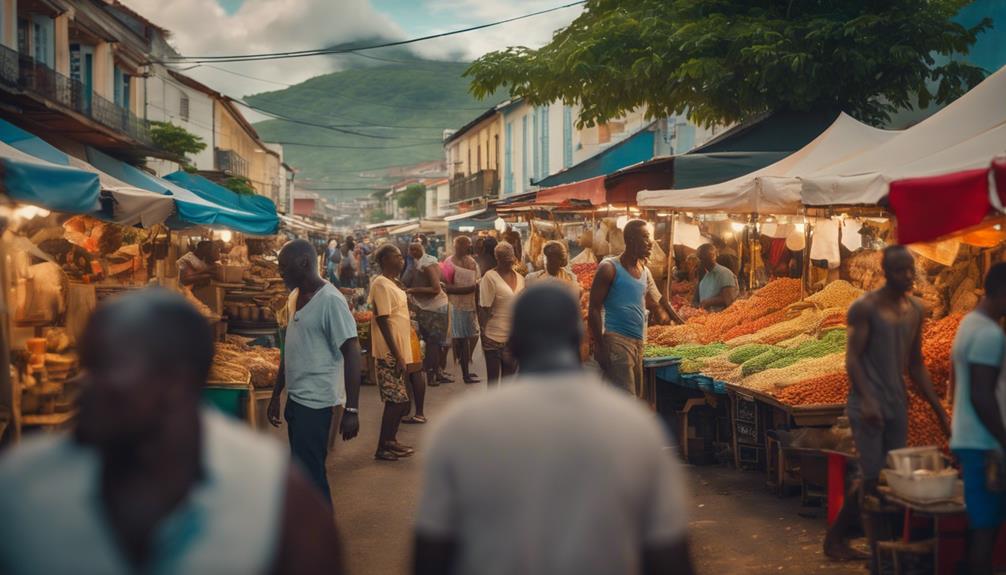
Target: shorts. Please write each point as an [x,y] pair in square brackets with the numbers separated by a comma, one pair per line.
[625,358]
[986,509]
[433,326]
[391,382]
[873,443]
[463,324]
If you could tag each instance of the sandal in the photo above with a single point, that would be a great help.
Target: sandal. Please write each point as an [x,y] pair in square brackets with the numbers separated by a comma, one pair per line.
[415,419]
[472,379]
[443,378]
[385,455]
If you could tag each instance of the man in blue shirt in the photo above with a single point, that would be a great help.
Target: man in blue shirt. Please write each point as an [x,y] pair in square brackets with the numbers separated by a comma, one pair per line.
[978,434]
[718,287]
[320,366]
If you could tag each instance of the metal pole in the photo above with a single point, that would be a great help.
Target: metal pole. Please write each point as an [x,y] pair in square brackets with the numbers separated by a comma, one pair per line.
[9,418]
[670,252]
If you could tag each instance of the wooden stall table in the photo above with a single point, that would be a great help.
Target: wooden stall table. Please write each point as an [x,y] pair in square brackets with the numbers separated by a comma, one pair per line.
[949,520]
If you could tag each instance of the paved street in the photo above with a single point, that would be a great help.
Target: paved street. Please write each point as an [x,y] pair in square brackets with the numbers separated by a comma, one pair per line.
[737,526]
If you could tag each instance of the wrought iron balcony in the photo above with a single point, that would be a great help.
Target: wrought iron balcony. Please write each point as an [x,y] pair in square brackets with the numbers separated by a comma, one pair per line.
[22,72]
[483,184]
[230,162]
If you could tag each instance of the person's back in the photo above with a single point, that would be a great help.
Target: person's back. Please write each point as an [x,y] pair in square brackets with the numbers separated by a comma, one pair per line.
[546,482]
[555,473]
[885,358]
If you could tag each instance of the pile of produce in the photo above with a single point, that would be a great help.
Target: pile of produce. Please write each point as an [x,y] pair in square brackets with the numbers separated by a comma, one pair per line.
[937,342]
[832,388]
[837,294]
[923,425]
[223,373]
[262,363]
[785,376]
[585,274]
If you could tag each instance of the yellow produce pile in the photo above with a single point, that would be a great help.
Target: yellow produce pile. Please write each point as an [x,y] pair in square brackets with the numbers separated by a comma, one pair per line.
[837,294]
[782,377]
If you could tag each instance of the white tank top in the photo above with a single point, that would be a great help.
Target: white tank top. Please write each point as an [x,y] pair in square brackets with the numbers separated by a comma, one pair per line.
[51,518]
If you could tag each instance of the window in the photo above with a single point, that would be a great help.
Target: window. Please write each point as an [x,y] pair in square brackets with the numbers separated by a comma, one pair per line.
[536,146]
[43,40]
[183,107]
[544,143]
[523,172]
[567,136]
[508,159]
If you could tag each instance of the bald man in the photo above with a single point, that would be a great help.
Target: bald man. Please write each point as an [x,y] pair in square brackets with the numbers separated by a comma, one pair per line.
[497,292]
[522,480]
[320,365]
[150,481]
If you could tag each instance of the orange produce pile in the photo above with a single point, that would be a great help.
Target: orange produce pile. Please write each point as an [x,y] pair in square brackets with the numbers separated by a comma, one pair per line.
[937,341]
[585,275]
[776,295]
[923,426]
[362,316]
[826,389]
[750,327]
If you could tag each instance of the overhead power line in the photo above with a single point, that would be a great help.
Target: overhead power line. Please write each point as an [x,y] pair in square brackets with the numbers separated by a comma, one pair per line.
[338,147]
[324,51]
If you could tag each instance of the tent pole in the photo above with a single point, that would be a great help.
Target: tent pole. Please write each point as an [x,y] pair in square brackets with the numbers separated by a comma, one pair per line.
[805,284]
[670,252]
[10,420]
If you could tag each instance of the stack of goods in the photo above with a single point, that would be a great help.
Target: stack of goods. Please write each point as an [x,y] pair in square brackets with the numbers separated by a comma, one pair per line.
[923,425]
[363,319]
[585,275]
[937,343]
[829,389]
[864,271]
[262,363]
[224,373]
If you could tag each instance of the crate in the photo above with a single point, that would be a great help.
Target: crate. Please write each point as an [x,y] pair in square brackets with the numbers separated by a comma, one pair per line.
[230,274]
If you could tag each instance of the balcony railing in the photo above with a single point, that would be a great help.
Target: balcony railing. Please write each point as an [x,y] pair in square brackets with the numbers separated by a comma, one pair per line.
[22,72]
[231,162]
[484,184]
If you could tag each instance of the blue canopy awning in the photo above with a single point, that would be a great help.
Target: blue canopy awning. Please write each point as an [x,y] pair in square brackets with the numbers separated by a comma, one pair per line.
[193,207]
[251,214]
[36,173]
[632,150]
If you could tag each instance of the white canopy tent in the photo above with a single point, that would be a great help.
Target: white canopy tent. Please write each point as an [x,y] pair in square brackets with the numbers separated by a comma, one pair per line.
[966,134]
[775,188]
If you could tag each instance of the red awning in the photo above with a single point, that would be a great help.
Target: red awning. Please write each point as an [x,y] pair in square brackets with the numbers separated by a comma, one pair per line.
[933,207]
[591,190]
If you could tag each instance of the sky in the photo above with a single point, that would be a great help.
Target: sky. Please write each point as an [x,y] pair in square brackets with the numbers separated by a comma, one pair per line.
[227,27]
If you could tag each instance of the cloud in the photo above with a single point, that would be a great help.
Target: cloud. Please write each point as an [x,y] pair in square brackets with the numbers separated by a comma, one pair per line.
[532,32]
[202,27]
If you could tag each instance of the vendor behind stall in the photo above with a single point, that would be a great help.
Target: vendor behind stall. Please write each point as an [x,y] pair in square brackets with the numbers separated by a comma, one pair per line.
[197,267]
[718,287]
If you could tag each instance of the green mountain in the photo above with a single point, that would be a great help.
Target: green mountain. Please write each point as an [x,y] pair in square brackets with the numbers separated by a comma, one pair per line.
[389,114]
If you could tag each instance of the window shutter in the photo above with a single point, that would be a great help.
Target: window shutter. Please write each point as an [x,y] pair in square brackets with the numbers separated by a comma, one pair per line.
[544,142]
[567,137]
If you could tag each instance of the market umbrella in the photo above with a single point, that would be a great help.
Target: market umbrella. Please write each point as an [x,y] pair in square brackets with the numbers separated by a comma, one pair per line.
[933,207]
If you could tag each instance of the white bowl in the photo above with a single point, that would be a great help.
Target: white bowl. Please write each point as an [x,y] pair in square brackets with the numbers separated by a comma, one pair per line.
[936,486]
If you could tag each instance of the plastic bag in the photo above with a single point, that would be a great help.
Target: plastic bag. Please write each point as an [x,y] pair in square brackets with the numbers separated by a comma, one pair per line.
[657,262]
[601,246]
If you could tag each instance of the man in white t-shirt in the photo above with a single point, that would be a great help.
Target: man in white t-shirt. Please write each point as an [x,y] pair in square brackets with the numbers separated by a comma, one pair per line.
[581,485]
[320,365]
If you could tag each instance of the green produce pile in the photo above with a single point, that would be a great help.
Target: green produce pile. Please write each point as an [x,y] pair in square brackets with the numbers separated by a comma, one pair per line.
[748,351]
[776,357]
[687,351]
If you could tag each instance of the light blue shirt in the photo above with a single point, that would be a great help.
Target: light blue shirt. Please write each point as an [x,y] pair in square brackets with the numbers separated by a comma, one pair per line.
[315,375]
[713,283]
[979,341]
[50,494]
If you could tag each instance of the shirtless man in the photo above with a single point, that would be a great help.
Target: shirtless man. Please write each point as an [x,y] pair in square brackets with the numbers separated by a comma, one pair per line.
[460,282]
[885,341]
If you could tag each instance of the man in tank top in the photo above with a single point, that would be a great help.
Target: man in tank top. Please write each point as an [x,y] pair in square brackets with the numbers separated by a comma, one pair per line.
[151,482]
[622,291]
[885,341]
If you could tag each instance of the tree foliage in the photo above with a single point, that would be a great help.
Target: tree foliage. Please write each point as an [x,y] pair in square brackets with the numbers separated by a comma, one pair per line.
[239,185]
[413,199]
[725,61]
[175,139]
